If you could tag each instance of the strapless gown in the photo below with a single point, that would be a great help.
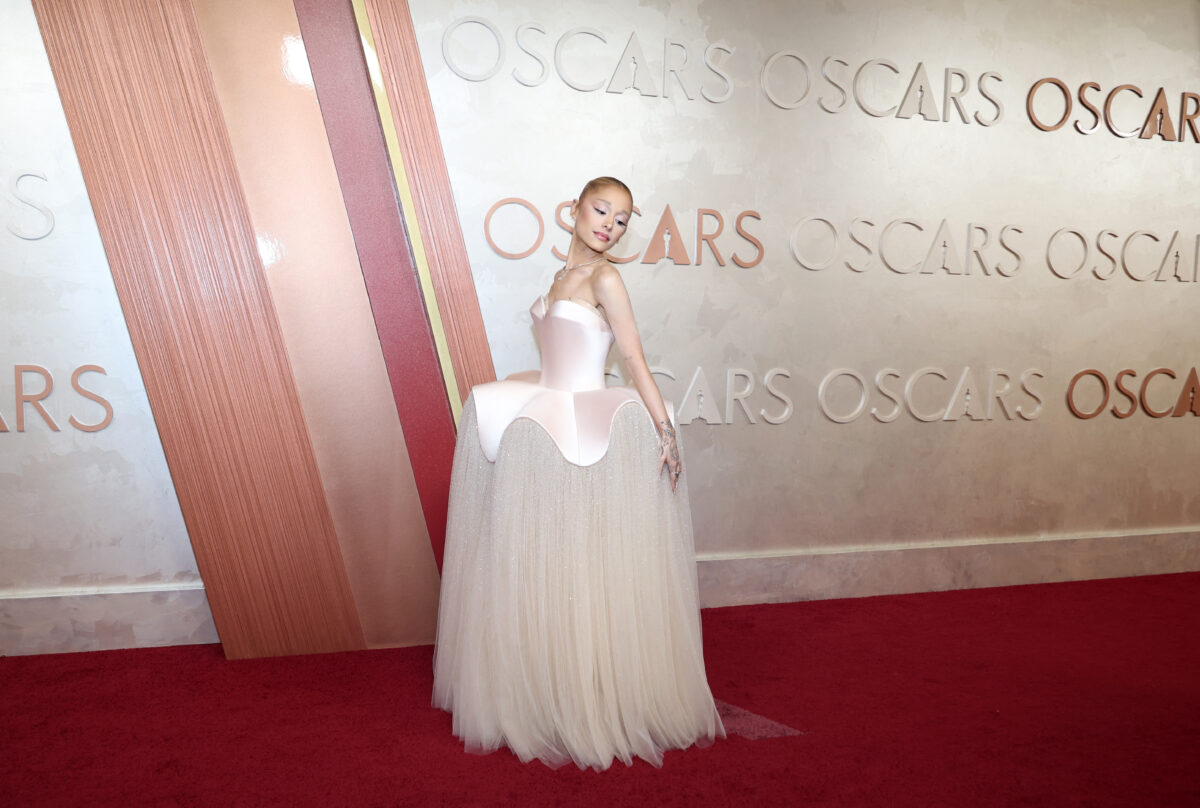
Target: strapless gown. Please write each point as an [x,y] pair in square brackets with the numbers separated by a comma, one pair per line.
[569,624]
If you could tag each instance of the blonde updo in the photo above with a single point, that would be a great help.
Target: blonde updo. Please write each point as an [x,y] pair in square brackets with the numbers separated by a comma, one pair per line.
[601,182]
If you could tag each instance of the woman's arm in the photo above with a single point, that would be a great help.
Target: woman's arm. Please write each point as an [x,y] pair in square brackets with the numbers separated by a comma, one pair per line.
[610,293]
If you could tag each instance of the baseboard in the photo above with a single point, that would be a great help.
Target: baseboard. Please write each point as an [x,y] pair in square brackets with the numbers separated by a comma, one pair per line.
[730,579]
[104,617]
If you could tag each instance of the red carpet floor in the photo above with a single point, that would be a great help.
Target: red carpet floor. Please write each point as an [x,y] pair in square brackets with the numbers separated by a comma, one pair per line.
[1079,694]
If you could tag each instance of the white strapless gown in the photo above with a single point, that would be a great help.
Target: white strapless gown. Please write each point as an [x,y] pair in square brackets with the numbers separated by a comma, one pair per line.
[569,625]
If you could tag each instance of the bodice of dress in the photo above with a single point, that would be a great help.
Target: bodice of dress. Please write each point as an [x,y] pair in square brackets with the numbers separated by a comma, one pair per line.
[569,399]
[575,341]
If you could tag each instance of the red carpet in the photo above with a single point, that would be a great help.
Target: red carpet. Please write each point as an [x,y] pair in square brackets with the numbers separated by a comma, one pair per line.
[1057,695]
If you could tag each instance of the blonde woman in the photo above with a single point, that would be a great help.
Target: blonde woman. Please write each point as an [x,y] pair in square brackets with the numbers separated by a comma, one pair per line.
[569,625]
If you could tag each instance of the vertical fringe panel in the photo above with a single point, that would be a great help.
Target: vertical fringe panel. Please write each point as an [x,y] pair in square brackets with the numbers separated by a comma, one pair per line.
[356,140]
[324,311]
[425,167]
[159,169]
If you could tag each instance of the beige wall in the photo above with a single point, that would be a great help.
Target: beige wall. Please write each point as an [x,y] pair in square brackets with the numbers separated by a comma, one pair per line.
[990,492]
[93,550]
[93,553]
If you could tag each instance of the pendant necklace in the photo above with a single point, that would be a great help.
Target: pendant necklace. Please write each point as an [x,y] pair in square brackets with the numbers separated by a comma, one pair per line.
[562,273]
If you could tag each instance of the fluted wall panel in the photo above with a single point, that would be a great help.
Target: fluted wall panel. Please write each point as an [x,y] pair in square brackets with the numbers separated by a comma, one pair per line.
[156,158]
[316,281]
[425,168]
[332,43]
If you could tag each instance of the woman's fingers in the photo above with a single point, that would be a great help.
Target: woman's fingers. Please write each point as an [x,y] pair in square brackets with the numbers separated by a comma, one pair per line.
[664,464]
[670,462]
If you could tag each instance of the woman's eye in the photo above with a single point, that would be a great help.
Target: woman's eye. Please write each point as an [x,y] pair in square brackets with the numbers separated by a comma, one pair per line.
[598,210]
[623,224]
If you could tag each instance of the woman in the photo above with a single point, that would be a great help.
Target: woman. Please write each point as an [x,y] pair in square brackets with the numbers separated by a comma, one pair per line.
[569,621]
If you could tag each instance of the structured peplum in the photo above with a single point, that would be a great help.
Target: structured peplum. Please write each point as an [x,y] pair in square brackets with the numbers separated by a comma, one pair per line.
[568,398]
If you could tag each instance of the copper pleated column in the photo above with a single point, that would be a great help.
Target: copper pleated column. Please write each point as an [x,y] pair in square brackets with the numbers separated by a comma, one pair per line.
[425,166]
[156,158]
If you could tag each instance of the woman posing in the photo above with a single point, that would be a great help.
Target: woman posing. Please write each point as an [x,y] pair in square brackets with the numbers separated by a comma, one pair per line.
[569,625]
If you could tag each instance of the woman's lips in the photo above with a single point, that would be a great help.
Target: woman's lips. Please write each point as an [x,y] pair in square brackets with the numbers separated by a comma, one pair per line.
[600,235]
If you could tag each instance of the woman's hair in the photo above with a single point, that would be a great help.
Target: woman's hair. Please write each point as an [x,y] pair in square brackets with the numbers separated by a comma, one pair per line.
[601,182]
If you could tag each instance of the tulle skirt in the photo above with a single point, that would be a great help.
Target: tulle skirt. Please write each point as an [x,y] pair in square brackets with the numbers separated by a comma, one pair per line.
[569,625]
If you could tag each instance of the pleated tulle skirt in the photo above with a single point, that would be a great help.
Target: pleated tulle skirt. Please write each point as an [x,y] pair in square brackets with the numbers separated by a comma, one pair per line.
[569,625]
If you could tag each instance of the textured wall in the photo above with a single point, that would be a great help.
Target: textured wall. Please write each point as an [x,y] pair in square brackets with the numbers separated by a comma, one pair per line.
[889,224]
[262,78]
[161,175]
[91,515]
[93,550]
[420,169]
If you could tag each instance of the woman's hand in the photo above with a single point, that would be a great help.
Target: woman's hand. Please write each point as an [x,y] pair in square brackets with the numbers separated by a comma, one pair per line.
[668,456]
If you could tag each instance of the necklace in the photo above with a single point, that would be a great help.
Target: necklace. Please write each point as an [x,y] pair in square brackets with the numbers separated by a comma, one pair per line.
[562,273]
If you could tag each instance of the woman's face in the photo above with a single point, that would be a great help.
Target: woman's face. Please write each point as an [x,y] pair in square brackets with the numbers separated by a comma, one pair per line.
[602,217]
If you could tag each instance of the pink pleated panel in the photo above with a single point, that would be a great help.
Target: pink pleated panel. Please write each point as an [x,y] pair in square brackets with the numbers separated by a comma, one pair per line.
[155,154]
[425,167]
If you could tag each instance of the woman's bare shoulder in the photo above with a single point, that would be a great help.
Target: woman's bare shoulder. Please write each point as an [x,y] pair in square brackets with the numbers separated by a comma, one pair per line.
[609,289]
[607,277]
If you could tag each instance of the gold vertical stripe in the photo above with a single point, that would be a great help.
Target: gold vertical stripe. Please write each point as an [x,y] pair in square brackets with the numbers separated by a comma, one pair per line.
[159,169]
[409,208]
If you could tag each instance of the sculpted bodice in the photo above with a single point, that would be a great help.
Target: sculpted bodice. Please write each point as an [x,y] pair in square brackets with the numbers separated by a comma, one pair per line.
[568,397]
